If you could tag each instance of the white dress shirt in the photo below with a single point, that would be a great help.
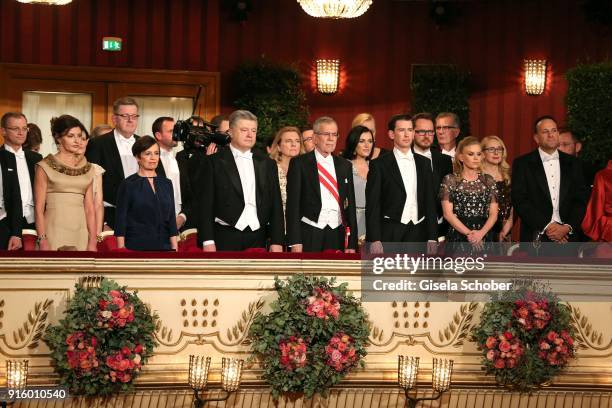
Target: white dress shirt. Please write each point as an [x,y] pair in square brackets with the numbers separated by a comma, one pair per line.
[552,168]
[128,161]
[330,210]
[426,153]
[407,168]
[450,152]
[25,183]
[174,174]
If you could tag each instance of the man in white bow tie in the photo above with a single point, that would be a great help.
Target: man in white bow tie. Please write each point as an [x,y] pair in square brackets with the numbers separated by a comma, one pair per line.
[14,130]
[321,212]
[548,191]
[239,202]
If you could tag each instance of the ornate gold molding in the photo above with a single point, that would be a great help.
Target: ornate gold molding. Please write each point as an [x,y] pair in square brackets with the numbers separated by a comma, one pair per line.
[32,329]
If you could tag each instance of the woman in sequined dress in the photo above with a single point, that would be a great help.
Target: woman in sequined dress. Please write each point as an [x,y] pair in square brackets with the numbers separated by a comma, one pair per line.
[469,201]
[494,164]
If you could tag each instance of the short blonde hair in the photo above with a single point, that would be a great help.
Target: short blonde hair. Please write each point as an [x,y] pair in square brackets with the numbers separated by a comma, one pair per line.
[504,167]
[363,117]
[275,153]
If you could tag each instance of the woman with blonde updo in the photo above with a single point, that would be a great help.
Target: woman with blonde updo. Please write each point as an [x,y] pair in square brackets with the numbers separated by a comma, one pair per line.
[286,145]
[469,200]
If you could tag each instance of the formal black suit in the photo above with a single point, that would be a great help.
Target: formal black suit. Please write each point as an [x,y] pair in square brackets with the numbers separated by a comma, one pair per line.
[186,193]
[531,198]
[386,196]
[219,195]
[31,159]
[146,218]
[442,165]
[103,151]
[10,225]
[304,197]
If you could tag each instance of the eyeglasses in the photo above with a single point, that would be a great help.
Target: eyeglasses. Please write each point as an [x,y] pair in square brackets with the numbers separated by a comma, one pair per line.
[17,129]
[328,134]
[494,149]
[125,116]
[439,128]
[307,139]
[423,132]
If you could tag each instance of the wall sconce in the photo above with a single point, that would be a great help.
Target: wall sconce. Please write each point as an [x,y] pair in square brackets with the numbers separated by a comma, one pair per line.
[328,76]
[535,76]
[16,380]
[231,373]
[407,369]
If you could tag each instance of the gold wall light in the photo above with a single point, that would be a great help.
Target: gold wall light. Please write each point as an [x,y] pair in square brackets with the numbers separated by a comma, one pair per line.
[328,76]
[199,366]
[407,370]
[535,76]
[16,380]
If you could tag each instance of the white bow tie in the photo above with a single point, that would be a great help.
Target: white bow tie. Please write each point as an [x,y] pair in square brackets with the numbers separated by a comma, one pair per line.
[247,155]
[130,141]
[406,156]
[549,157]
[20,154]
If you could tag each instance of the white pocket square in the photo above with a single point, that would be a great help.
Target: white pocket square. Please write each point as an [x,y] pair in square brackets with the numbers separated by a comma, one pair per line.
[345,181]
[9,169]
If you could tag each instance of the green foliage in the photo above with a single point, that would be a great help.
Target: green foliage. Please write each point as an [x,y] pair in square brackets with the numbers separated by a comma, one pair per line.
[289,317]
[274,93]
[500,316]
[112,323]
[442,88]
[589,103]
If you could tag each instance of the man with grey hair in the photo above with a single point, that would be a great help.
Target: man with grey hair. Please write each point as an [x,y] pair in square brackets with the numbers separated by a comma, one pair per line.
[448,128]
[321,196]
[238,194]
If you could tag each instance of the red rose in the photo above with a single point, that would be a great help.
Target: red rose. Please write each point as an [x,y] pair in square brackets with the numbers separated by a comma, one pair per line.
[115,293]
[126,351]
[504,346]
[491,342]
[551,336]
[138,349]
[511,363]
[499,363]
[94,341]
[508,335]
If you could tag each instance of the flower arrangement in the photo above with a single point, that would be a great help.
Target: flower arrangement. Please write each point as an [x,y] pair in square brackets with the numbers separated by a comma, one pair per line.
[526,336]
[104,340]
[314,336]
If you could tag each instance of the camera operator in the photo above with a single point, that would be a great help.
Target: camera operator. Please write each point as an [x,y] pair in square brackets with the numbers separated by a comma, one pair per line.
[177,173]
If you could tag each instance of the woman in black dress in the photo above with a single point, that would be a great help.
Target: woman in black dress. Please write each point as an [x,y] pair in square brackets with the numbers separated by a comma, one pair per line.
[145,219]
[469,201]
[494,164]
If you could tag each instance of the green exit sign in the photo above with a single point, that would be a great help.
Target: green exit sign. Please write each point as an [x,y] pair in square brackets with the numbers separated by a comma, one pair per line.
[111,43]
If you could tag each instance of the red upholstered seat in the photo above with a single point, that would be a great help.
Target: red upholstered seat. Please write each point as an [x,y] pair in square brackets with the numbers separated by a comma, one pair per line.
[255,250]
[109,242]
[188,241]
[28,239]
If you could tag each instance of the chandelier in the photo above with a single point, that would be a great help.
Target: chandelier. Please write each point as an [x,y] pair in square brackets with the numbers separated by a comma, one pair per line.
[335,8]
[47,2]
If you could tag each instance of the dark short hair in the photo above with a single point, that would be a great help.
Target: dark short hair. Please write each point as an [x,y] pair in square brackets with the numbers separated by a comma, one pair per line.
[124,101]
[199,121]
[395,118]
[423,116]
[62,124]
[157,125]
[352,140]
[11,115]
[142,144]
[34,137]
[306,127]
[451,115]
[540,119]
[217,120]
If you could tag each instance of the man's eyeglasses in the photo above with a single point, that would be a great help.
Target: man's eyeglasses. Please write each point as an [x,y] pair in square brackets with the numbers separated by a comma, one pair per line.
[125,116]
[328,134]
[494,150]
[17,129]
[423,132]
[439,128]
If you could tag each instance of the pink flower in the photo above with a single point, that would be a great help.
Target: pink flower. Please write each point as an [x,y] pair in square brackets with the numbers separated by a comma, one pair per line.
[511,363]
[504,346]
[491,355]
[491,342]
[544,345]
[499,363]
[551,336]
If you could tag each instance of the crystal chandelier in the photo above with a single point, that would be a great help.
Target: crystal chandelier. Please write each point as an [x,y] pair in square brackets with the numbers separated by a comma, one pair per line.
[335,8]
[47,2]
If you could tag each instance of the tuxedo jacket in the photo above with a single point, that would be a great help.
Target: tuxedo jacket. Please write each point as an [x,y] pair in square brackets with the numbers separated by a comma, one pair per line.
[31,159]
[531,197]
[103,151]
[11,192]
[186,193]
[304,195]
[386,195]
[219,194]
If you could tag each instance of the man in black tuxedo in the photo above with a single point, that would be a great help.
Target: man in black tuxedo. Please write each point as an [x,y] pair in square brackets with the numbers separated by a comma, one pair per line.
[14,129]
[174,170]
[400,204]
[441,164]
[10,203]
[321,212]
[113,151]
[548,190]
[239,197]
